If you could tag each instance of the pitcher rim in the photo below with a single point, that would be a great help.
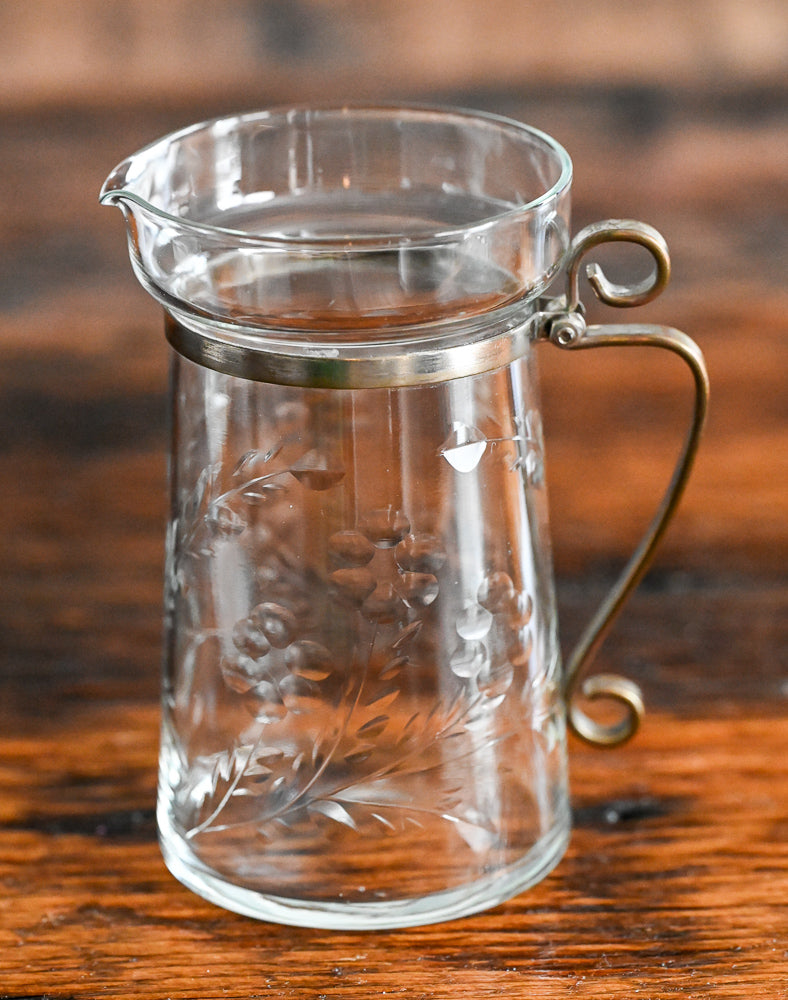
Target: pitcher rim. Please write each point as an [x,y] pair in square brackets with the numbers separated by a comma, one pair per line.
[117,190]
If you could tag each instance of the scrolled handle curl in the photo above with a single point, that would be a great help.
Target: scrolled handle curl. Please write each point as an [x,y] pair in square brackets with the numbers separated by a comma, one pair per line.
[613,688]
[612,294]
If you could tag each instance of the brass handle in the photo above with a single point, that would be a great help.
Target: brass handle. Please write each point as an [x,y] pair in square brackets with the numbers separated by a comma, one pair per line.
[563,324]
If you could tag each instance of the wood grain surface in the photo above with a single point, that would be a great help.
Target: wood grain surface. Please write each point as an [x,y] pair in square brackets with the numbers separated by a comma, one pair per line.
[676,880]
[144,50]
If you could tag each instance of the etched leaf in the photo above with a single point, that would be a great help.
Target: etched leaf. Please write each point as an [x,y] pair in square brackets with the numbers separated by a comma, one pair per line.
[464,447]
[260,492]
[223,766]
[382,697]
[382,819]
[407,735]
[374,727]
[408,634]
[195,498]
[251,456]
[361,754]
[333,810]
[393,667]
[242,462]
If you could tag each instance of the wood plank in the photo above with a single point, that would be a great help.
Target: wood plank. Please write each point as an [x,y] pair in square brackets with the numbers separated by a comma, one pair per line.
[278,50]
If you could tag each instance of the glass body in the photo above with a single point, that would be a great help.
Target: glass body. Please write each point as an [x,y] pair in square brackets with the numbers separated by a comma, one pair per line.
[363,723]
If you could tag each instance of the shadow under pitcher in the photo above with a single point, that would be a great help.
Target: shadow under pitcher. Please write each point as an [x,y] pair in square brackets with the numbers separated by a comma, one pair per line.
[364,708]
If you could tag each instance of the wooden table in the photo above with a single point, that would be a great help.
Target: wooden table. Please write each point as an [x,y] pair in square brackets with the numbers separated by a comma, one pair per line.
[676,880]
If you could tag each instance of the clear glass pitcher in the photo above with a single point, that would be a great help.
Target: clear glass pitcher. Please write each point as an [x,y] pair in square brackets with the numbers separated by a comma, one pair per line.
[364,709]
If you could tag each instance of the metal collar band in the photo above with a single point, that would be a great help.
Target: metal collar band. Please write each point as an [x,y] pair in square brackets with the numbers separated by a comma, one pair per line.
[469,351]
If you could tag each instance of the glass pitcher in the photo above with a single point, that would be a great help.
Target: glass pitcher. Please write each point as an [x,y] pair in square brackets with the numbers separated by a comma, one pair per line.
[364,708]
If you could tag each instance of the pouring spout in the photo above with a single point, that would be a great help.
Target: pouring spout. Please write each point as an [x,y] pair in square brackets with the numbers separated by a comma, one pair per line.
[127,201]
[115,188]
[115,192]
[113,196]
[126,188]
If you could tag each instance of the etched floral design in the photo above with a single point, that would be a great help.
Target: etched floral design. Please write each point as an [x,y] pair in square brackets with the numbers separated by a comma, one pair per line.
[386,592]
[385,575]
[333,666]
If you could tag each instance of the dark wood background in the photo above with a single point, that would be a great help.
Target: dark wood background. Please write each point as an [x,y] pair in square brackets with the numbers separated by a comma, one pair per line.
[676,881]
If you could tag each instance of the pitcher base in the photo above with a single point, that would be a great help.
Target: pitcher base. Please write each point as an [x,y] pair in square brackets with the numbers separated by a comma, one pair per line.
[451,904]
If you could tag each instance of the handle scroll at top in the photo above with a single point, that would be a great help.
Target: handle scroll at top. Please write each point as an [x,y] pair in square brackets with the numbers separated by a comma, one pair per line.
[563,324]
[616,231]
